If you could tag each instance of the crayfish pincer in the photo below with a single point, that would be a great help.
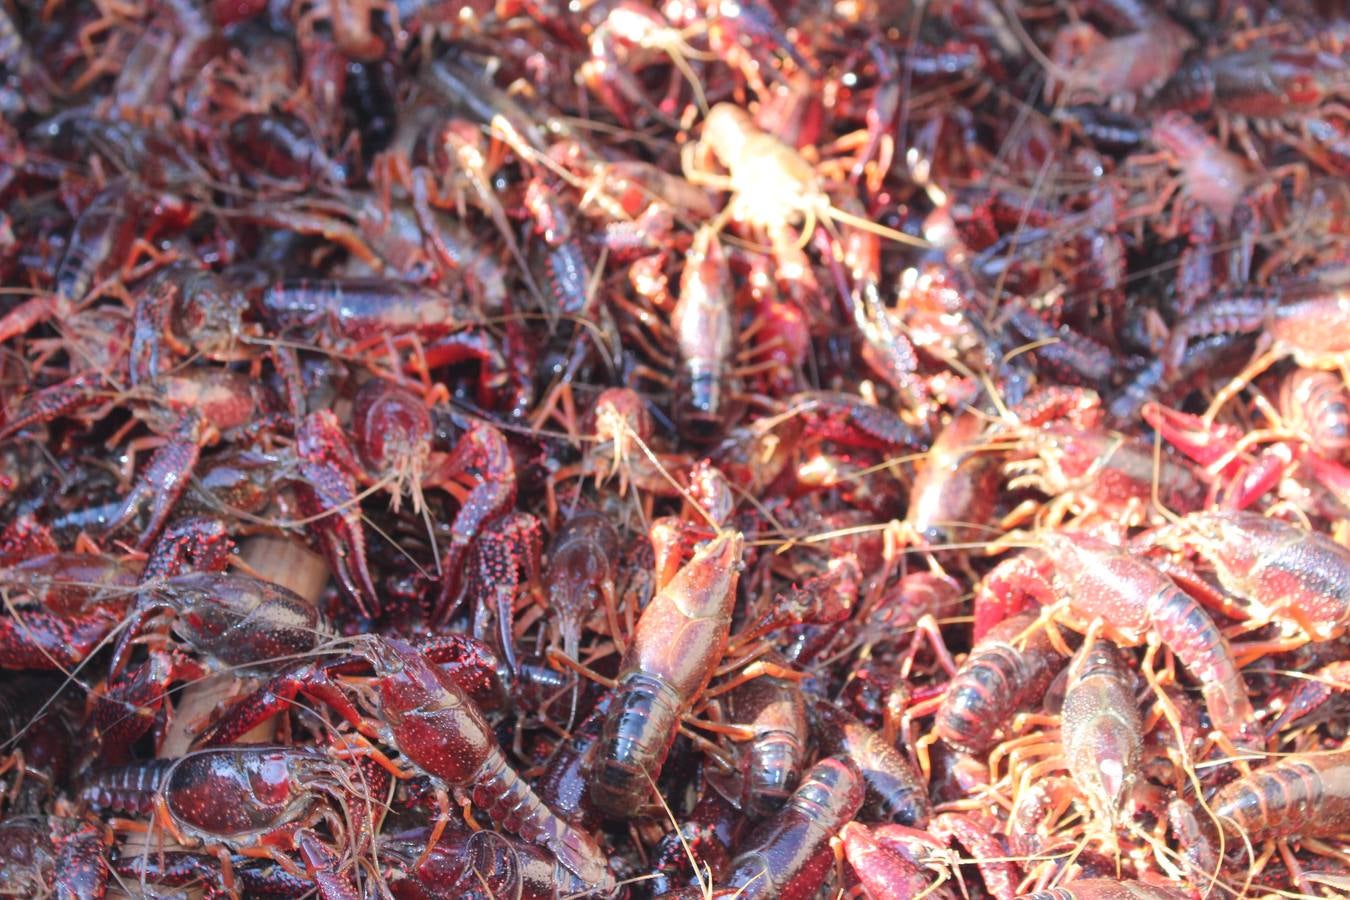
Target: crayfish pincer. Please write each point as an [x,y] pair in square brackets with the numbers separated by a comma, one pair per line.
[678,642]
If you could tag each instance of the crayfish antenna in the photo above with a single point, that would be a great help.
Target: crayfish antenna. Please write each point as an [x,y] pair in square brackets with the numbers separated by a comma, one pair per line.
[431,530]
[680,53]
[1052,68]
[836,214]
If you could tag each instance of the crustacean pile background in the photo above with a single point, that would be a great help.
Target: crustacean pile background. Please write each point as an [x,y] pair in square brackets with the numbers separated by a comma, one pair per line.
[698,448]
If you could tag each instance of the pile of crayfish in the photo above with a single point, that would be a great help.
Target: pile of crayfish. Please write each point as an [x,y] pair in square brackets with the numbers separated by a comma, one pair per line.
[687,449]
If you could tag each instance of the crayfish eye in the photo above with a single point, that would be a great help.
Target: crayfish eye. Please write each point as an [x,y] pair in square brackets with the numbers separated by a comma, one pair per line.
[935,534]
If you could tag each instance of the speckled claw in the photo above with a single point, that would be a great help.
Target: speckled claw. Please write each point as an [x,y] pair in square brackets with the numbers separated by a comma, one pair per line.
[1311,700]
[81,857]
[327,490]
[199,542]
[278,696]
[128,707]
[53,402]
[504,559]
[164,480]
[483,460]
[882,871]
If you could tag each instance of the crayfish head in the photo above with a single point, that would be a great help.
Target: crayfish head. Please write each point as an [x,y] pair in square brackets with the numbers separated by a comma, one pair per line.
[393,434]
[210,315]
[386,655]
